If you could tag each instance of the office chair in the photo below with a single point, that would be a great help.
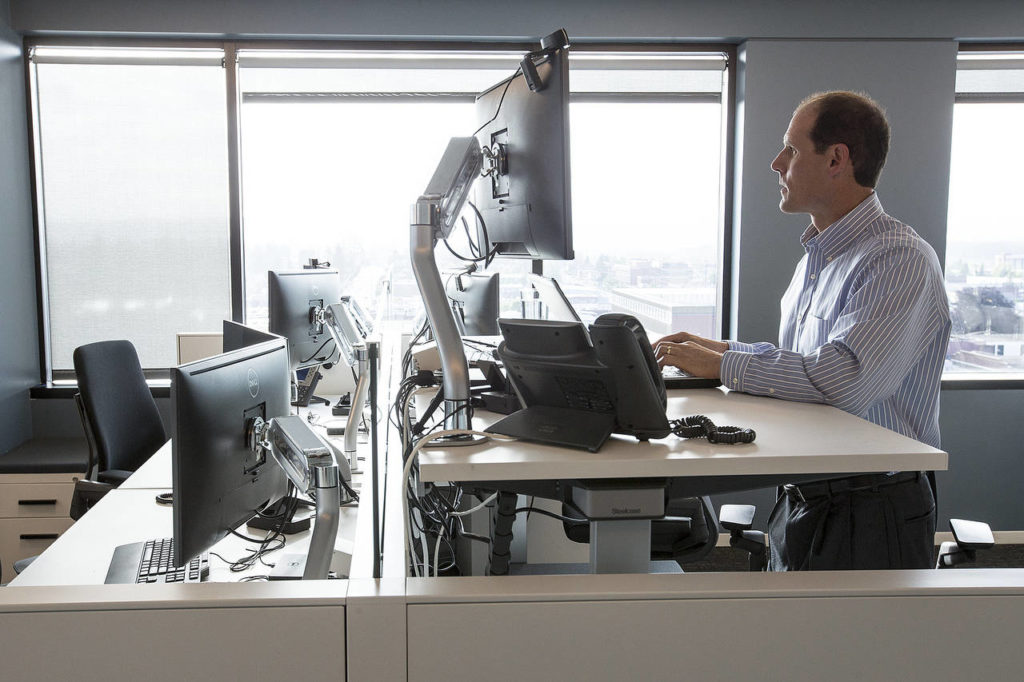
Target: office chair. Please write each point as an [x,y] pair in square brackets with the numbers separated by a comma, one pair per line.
[119,416]
[687,533]
[968,538]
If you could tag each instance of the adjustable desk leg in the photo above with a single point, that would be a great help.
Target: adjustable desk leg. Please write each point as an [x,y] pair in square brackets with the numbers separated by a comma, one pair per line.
[620,546]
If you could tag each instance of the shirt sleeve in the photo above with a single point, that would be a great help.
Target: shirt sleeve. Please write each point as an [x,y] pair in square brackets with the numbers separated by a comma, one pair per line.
[759,347]
[891,313]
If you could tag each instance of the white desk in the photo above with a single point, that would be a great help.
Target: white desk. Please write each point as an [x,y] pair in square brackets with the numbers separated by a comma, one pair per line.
[60,622]
[792,439]
[795,442]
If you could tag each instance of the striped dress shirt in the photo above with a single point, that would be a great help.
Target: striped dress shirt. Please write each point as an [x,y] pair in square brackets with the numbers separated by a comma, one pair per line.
[865,324]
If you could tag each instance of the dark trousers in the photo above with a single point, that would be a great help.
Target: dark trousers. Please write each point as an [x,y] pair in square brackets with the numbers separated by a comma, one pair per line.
[865,522]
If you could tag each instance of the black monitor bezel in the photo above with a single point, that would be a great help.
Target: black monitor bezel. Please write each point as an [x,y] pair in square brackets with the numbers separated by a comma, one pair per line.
[214,493]
[288,296]
[533,221]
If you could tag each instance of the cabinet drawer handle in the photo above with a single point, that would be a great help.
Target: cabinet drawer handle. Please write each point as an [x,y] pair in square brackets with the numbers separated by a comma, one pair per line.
[35,503]
[40,536]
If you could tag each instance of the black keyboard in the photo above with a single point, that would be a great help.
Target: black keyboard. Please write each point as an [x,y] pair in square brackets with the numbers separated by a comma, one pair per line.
[151,562]
[677,378]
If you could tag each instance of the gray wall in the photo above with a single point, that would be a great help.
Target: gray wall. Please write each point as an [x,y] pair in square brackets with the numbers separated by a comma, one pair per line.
[19,356]
[900,51]
[703,19]
[774,76]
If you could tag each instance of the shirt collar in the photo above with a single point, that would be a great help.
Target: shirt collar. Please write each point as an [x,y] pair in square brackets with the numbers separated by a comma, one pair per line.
[841,233]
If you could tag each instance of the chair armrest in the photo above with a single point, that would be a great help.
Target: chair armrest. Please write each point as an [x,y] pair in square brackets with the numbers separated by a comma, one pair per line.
[87,493]
[114,477]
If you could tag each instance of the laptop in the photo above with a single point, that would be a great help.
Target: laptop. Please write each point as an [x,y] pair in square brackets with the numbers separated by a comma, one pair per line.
[558,307]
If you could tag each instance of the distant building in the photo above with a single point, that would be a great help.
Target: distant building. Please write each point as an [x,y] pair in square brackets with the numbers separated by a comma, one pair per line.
[1013,262]
[663,311]
[975,352]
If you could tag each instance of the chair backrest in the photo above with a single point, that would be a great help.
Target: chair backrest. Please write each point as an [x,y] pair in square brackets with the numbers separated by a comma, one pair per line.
[125,420]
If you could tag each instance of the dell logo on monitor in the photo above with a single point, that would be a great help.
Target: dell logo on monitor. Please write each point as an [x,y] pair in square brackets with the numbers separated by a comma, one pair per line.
[254,383]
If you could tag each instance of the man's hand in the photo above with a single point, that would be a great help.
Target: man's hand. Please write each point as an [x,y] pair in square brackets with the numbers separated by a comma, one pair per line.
[691,353]
[684,337]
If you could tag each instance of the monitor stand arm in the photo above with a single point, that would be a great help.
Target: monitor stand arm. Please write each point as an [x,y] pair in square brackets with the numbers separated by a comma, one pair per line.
[355,413]
[309,464]
[439,314]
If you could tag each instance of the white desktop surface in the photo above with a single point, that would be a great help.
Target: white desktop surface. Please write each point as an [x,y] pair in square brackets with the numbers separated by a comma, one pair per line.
[797,438]
[83,554]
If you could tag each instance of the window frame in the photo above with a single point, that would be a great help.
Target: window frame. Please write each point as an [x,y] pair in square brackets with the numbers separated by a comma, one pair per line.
[233,96]
[977,381]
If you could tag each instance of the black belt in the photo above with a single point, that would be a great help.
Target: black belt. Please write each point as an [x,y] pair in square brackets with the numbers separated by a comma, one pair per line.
[850,484]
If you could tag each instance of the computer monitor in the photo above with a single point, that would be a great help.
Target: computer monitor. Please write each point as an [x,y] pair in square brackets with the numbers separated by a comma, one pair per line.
[525,203]
[292,298]
[364,323]
[556,304]
[476,302]
[219,482]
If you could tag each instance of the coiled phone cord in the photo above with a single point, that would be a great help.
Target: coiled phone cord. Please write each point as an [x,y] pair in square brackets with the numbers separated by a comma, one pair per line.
[699,426]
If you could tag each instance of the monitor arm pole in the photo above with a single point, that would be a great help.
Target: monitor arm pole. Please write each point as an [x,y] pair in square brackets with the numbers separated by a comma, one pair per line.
[434,216]
[455,369]
[353,350]
[355,413]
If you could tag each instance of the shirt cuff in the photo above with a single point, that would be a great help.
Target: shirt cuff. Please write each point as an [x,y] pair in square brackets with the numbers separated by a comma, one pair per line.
[741,347]
[734,365]
[759,347]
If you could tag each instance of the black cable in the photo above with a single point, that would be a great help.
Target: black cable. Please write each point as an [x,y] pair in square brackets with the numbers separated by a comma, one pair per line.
[491,251]
[348,489]
[473,246]
[699,426]
[274,541]
[498,110]
[461,257]
[317,351]
[471,536]
[545,512]
[479,345]
[417,428]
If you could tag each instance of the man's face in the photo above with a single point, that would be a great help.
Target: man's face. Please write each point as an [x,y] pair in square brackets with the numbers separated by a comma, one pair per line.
[803,173]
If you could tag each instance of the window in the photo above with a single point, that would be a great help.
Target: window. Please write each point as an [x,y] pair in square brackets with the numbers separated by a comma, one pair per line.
[647,141]
[985,239]
[132,178]
[337,146]
[139,237]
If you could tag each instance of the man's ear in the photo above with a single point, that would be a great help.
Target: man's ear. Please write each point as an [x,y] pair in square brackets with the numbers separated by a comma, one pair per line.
[838,159]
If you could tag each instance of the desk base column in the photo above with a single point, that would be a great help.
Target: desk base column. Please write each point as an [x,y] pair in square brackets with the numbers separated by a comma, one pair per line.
[620,546]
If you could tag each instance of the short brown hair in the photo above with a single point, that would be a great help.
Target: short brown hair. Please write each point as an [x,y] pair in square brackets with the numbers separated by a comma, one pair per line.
[857,121]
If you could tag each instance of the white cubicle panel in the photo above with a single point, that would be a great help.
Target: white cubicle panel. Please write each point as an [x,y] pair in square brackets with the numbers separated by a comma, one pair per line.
[201,631]
[872,625]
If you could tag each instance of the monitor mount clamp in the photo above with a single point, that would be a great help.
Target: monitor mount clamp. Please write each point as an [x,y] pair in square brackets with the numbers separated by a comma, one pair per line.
[310,466]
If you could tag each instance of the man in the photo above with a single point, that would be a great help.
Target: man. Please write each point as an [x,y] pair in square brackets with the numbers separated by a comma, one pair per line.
[865,324]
